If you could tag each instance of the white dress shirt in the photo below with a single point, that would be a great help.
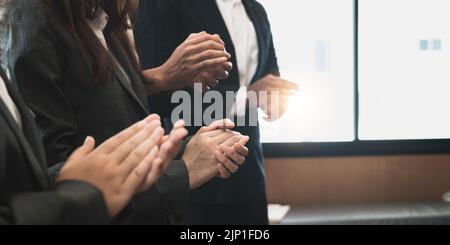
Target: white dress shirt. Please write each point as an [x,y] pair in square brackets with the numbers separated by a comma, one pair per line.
[10,105]
[243,35]
[98,25]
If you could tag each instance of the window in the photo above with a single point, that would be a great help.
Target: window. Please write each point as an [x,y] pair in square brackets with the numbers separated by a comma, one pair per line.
[397,58]
[315,49]
[404,69]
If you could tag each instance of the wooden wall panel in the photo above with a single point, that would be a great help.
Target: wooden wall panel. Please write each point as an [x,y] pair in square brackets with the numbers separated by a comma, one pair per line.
[358,180]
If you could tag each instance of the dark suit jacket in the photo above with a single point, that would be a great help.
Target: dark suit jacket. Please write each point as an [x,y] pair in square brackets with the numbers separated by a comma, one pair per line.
[27,196]
[165,24]
[55,81]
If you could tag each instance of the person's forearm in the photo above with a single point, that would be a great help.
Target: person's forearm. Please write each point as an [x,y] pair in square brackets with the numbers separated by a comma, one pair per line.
[157,81]
[67,203]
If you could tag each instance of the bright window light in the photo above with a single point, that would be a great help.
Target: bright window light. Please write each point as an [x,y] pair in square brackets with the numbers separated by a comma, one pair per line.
[404,69]
[314,40]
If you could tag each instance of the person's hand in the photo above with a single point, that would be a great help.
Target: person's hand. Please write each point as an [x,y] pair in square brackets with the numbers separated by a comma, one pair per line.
[169,148]
[210,79]
[120,165]
[231,155]
[200,153]
[201,52]
[273,106]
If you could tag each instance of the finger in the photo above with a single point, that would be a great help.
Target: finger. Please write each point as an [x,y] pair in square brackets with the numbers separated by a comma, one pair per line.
[227,163]
[85,149]
[164,139]
[114,142]
[202,78]
[196,34]
[215,133]
[178,132]
[208,45]
[221,73]
[233,155]
[177,135]
[227,66]
[223,172]
[171,147]
[162,162]
[212,83]
[271,118]
[233,140]
[206,88]
[205,37]
[179,124]
[142,151]
[218,37]
[208,80]
[222,137]
[241,149]
[126,148]
[134,180]
[154,174]
[281,92]
[245,139]
[152,117]
[210,63]
[220,124]
[199,78]
[176,139]
[209,55]
[289,85]
[165,156]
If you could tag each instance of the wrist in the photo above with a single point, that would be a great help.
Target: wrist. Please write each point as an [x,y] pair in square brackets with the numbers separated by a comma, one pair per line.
[158,80]
[191,175]
[156,75]
[167,77]
[192,182]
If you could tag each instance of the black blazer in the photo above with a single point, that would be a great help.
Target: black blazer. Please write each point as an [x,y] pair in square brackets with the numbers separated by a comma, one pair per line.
[55,81]
[161,26]
[27,196]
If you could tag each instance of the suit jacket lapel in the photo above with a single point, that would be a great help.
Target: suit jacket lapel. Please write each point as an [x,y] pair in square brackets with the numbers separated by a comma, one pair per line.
[29,127]
[257,23]
[37,163]
[214,23]
[127,85]
[130,86]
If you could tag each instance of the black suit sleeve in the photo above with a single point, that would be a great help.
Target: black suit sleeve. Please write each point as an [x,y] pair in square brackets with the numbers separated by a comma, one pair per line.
[167,199]
[272,61]
[39,72]
[272,64]
[69,203]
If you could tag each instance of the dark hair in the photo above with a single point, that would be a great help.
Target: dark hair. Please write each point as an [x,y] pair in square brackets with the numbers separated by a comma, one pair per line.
[74,15]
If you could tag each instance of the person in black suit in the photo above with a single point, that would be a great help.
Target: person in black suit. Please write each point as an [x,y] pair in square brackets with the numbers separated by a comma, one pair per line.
[244,27]
[80,76]
[77,196]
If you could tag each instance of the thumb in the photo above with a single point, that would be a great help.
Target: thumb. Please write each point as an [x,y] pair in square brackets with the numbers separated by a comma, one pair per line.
[85,149]
[220,124]
[192,35]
